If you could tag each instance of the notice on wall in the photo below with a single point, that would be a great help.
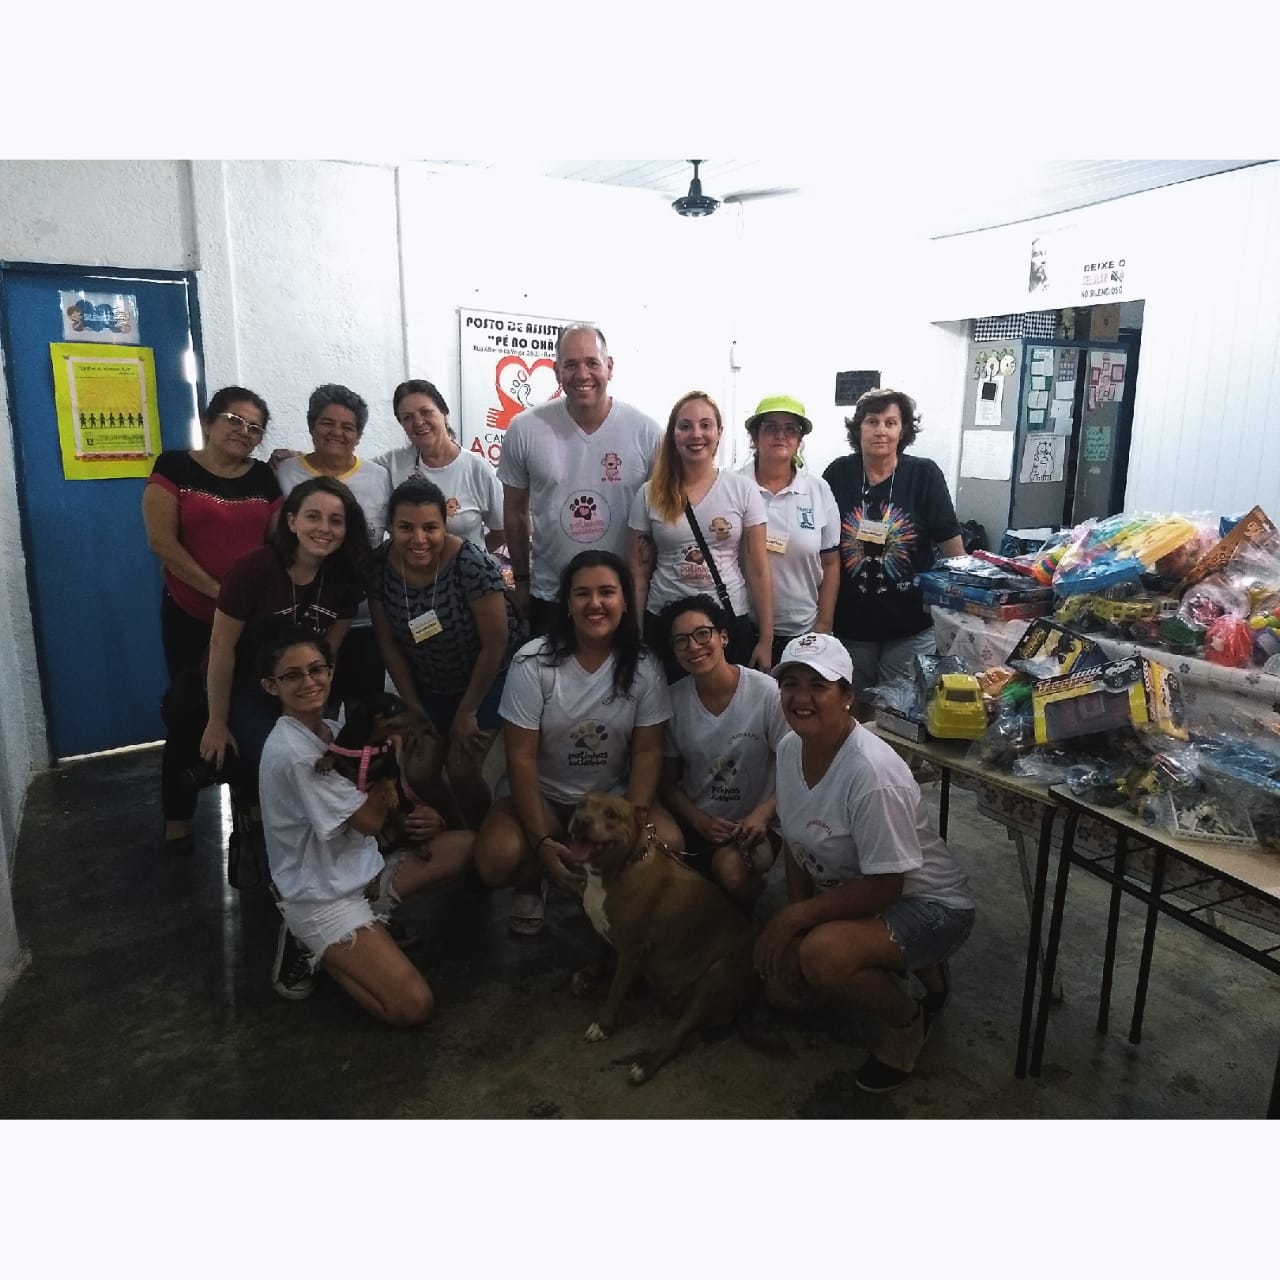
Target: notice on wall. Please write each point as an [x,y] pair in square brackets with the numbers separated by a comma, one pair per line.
[507,365]
[987,455]
[1097,443]
[1106,377]
[98,317]
[1043,459]
[1042,362]
[108,425]
[990,399]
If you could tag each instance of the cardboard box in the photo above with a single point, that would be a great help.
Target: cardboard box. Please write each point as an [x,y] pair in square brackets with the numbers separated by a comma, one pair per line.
[891,721]
[942,585]
[996,612]
[1129,693]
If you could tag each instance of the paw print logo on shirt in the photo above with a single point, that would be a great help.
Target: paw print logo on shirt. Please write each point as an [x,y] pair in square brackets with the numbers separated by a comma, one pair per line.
[582,508]
[721,528]
[589,735]
[585,516]
[723,769]
[611,468]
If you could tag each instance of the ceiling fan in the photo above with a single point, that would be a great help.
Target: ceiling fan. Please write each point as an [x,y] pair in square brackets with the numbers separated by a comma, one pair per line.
[697,205]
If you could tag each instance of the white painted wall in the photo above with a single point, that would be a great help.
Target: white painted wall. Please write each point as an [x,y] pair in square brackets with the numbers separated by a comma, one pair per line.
[1204,257]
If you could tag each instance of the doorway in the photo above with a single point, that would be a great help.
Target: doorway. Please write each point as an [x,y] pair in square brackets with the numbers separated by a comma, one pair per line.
[93,584]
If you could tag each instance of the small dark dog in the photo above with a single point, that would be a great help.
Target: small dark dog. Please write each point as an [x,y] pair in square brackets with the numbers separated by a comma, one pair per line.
[363,753]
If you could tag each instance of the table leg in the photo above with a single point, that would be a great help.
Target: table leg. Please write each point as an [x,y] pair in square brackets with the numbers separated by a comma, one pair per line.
[944,802]
[1055,934]
[1033,940]
[1148,946]
[1028,892]
[1113,926]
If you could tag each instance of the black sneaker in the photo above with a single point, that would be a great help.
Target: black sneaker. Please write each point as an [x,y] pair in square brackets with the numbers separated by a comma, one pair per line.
[291,974]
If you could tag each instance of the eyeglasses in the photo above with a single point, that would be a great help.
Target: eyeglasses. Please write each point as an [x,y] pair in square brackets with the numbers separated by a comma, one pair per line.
[316,671]
[787,429]
[684,640]
[250,428]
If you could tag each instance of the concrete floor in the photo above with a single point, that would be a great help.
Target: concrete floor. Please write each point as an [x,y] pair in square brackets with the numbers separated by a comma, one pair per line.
[149,996]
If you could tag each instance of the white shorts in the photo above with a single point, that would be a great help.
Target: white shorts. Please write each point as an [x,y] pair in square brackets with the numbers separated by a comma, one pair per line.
[321,925]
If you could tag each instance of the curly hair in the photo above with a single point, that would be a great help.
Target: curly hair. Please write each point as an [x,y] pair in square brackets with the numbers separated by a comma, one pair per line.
[877,400]
[700,603]
[344,397]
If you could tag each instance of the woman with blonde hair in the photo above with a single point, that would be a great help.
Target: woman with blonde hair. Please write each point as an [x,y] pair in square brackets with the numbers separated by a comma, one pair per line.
[695,527]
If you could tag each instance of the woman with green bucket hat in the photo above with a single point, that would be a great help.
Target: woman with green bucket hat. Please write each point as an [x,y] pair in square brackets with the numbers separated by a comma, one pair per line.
[803,532]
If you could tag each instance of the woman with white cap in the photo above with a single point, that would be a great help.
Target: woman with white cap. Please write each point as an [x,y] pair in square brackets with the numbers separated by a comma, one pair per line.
[874,894]
[802,537]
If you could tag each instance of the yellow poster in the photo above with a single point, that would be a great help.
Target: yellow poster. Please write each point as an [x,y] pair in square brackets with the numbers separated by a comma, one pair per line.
[108,425]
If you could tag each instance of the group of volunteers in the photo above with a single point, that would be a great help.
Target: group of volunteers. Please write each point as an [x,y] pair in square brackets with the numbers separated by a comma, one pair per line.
[691,637]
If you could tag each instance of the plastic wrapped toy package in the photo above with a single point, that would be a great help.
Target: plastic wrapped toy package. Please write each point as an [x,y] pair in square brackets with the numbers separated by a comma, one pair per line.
[1121,548]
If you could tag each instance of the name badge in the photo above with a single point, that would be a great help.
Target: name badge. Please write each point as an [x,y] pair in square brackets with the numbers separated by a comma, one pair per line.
[776,542]
[424,626]
[873,531]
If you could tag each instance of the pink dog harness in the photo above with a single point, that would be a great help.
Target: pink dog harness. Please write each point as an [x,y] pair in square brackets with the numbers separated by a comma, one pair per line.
[364,755]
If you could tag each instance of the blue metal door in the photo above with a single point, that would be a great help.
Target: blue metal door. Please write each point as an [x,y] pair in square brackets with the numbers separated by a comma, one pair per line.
[94,585]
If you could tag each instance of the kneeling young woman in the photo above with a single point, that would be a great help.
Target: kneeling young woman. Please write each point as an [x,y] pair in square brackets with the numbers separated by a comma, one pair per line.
[717,780]
[874,893]
[334,887]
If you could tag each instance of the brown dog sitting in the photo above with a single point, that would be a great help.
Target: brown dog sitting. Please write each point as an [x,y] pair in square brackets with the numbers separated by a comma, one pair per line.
[666,922]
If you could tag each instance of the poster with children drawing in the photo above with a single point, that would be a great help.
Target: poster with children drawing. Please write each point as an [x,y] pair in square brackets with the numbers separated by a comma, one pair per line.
[1043,459]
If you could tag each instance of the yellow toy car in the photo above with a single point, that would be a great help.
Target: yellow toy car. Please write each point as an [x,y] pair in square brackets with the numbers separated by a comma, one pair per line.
[955,708]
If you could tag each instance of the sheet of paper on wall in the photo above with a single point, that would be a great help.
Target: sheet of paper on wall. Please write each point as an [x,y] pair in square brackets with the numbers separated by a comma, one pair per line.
[987,455]
[1037,399]
[1042,362]
[1064,389]
[990,398]
[1035,419]
[1038,383]
[1117,378]
[1043,459]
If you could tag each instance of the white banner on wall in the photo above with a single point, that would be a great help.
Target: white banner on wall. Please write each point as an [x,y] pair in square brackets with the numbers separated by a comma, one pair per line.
[507,366]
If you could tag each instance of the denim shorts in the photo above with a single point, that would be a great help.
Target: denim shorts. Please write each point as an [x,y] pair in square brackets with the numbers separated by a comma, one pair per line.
[927,931]
[321,925]
[442,707]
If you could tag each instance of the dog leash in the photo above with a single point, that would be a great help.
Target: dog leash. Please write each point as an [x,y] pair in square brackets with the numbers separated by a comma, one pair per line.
[364,755]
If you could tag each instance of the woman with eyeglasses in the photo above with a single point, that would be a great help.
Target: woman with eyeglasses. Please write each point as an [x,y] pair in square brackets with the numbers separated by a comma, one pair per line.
[307,575]
[473,496]
[724,555]
[895,516]
[802,536]
[334,888]
[336,418]
[203,509]
[718,775]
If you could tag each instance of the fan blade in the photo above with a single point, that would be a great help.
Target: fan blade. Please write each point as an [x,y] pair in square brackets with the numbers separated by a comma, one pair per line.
[765,193]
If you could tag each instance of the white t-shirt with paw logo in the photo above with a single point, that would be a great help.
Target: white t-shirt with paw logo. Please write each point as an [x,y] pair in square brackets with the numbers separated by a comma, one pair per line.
[580,483]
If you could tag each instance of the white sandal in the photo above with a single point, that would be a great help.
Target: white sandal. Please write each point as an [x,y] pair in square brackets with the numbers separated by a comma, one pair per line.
[528,911]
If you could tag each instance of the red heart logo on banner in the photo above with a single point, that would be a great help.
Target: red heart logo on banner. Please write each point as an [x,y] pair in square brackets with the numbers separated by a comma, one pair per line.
[520,386]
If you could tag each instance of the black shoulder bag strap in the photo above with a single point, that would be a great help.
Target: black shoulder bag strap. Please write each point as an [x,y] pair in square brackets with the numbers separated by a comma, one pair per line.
[710,560]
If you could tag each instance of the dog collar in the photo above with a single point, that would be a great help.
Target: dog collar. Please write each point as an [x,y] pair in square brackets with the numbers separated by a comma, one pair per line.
[364,755]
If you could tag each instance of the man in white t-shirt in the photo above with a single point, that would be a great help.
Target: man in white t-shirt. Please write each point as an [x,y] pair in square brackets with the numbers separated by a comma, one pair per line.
[569,470]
